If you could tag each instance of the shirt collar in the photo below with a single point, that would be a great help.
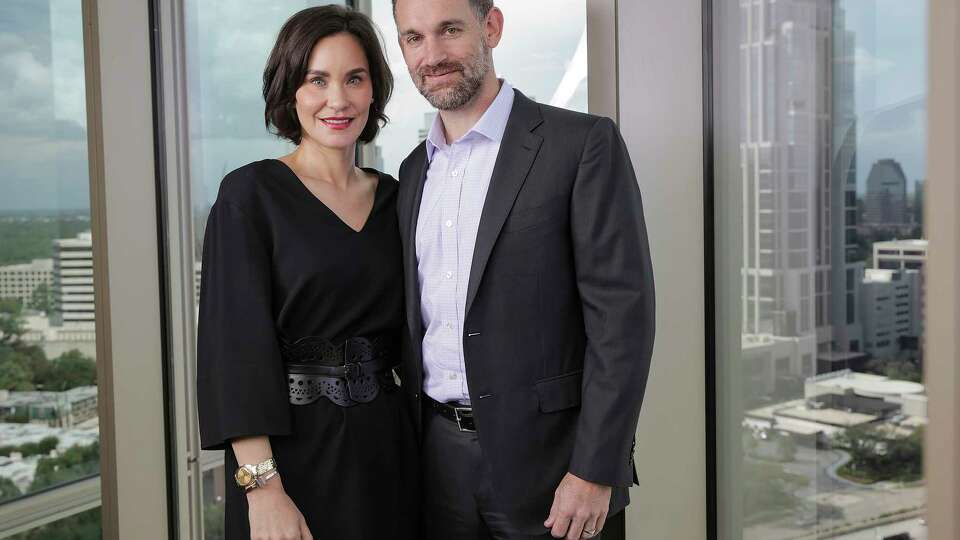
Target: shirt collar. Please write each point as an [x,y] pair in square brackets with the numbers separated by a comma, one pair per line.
[491,125]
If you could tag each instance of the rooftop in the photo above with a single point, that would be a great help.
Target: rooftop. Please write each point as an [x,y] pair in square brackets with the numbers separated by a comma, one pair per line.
[36,265]
[910,243]
[866,384]
[833,417]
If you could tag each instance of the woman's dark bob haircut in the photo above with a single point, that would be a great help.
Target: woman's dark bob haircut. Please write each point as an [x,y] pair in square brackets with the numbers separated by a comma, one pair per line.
[287,67]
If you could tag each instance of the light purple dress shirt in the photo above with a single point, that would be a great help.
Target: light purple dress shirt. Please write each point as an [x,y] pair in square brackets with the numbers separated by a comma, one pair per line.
[456,186]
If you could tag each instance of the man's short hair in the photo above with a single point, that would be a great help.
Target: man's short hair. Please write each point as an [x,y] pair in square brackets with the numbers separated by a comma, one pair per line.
[287,66]
[480,7]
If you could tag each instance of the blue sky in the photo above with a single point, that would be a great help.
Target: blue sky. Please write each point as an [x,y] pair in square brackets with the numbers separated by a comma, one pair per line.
[891,81]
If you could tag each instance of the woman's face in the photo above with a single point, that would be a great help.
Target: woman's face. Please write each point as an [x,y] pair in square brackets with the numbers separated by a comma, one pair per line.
[333,103]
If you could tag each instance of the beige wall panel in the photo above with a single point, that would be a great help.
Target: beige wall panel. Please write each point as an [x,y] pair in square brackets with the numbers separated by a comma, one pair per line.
[942,206]
[660,104]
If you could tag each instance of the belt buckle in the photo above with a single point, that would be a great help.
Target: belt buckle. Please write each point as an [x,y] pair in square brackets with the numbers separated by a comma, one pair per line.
[352,371]
[465,419]
[351,361]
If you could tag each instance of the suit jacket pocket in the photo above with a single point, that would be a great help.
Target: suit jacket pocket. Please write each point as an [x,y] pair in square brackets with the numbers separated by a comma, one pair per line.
[551,211]
[559,393]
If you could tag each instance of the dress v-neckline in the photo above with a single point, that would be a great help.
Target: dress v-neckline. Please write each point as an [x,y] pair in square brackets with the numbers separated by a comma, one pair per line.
[306,191]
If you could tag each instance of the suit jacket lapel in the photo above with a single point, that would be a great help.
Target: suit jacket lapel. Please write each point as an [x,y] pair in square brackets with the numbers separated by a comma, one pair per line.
[518,149]
[417,175]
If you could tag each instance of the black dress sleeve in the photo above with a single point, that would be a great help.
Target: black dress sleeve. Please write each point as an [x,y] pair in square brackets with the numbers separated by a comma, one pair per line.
[241,381]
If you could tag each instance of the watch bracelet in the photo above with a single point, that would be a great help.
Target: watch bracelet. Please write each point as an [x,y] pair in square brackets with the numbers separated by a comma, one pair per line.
[262,480]
[266,468]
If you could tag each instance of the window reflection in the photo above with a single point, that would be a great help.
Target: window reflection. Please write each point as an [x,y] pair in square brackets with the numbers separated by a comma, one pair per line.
[550,68]
[831,105]
[82,526]
[49,428]
[227,43]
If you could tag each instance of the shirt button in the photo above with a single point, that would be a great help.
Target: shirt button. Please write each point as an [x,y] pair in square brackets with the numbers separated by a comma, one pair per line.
[452,376]
[449,223]
[449,275]
[455,173]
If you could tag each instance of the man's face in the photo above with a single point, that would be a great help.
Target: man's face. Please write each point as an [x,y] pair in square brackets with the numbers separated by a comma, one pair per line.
[446,48]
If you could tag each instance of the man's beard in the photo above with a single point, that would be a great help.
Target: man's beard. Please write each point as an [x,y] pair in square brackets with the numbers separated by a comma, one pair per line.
[456,96]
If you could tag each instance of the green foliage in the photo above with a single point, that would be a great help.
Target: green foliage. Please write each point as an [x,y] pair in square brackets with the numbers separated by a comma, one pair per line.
[26,367]
[876,456]
[70,370]
[42,298]
[8,490]
[896,368]
[14,375]
[32,238]
[77,462]
[11,322]
[213,521]
[42,447]
[22,367]
[82,526]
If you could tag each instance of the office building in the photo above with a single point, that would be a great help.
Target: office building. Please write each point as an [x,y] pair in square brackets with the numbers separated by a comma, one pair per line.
[890,304]
[19,281]
[73,280]
[886,202]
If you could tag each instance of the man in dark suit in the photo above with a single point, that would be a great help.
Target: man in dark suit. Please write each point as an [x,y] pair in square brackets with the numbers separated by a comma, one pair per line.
[530,298]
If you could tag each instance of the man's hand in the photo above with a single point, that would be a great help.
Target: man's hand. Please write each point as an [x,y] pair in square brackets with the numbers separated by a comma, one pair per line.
[579,509]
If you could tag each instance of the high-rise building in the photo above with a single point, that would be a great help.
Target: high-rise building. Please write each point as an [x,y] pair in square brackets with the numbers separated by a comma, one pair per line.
[73,280]
[842,281]
[798,142]
[904,256]
[886,202]
[891,310]
[900,254]
[19,281]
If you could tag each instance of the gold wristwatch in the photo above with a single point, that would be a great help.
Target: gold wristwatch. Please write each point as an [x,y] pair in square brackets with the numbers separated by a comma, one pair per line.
[253,476]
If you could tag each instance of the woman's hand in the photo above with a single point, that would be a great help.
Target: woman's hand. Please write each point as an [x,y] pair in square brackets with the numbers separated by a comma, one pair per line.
[273,516]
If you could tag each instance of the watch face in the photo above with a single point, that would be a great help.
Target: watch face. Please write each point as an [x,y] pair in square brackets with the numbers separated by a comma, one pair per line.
[243,477]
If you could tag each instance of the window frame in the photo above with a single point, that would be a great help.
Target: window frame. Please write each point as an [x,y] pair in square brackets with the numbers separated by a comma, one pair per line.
[187,463]
[942,219]
[123,216]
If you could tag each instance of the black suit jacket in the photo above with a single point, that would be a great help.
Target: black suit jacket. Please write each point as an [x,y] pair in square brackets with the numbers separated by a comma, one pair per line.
[559,322]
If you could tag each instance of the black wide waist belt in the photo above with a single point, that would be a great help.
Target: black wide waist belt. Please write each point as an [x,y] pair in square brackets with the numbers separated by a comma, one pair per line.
[461,414]
[347,373]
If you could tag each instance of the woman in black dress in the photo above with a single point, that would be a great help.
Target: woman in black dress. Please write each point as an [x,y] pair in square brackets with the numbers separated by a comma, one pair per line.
[301,306]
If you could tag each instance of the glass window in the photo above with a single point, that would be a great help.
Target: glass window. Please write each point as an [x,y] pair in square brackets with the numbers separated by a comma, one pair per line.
[227,44]
[550,68]
[49,430]
[213,503]
[849,126]
[82,526]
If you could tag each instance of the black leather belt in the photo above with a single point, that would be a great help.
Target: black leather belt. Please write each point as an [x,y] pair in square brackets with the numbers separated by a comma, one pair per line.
[347,373]
[461,414]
